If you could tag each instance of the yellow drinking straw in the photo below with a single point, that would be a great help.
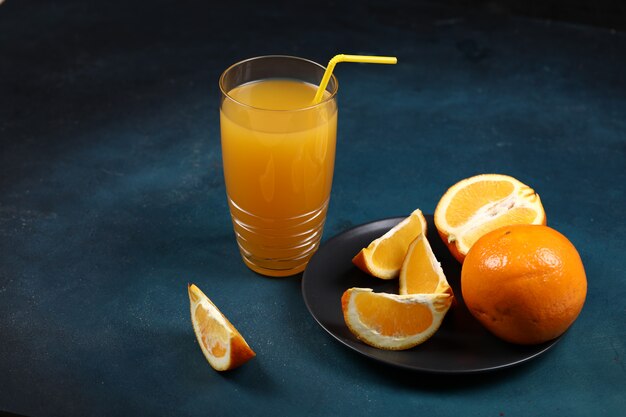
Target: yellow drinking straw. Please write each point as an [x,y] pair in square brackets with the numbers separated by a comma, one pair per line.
[366,59]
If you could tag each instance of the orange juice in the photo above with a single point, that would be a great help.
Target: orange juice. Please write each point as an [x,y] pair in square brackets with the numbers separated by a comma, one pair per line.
[278,153]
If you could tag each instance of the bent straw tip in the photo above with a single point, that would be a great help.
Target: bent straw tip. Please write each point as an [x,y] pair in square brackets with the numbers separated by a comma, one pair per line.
[366,59]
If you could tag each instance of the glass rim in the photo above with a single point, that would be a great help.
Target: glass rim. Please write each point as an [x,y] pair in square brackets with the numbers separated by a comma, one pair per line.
[324,101]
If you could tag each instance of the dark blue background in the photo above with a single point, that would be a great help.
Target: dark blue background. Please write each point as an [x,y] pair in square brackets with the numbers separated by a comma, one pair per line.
[112,199]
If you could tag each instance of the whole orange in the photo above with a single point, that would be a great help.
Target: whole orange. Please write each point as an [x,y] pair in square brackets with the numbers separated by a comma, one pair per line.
[525,283]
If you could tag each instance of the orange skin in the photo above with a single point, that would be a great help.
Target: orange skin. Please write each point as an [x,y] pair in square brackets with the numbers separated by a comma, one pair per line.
[525,283]
[359,261]
[240,352]
[451,247]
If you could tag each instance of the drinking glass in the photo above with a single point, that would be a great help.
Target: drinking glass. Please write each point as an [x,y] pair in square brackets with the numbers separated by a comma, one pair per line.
[278,152]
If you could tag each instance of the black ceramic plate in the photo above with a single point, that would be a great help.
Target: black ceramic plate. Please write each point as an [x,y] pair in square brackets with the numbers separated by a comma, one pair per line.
[461,345]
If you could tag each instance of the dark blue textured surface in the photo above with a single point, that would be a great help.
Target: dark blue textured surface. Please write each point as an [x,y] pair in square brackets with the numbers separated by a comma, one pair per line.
[112,199]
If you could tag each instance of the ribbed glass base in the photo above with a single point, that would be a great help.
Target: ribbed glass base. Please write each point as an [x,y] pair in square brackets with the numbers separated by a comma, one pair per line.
[277,247]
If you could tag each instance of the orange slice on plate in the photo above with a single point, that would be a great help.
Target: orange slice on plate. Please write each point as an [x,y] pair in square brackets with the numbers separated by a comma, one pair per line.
[477,205]
[421,273]
[383,257]
[391,321]
[220,342]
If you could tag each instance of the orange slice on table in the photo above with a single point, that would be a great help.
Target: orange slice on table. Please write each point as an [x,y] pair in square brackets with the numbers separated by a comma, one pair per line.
[391,321]
[383,257]
[220,342]
[477,205]
[421,273]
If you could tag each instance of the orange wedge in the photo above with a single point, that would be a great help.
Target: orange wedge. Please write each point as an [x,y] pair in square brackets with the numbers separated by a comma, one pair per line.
[391,321]
[383,257]
[220,342]
[475,206]
[421,273]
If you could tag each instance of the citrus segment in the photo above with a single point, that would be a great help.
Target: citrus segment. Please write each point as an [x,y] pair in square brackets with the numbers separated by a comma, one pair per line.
[391,321]
[383,257]
[408,318]
[524,283]
[222,345]
[522,215]
[475,195]
[215,336]
[476,205]
[421,273]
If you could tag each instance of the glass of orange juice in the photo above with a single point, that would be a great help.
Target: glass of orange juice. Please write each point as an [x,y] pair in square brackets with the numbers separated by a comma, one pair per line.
[278,151]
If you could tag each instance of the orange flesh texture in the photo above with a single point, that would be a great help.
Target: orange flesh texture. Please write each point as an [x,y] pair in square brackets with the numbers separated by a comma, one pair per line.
[470,199]
[209,326]
[391,252]
[518,215]
[391,318]
[421,275]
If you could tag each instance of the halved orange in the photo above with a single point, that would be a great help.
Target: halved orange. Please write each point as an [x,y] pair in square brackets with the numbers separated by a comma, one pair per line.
[383,257]
[421,273]
[477,205]
[220,342]
[391,321]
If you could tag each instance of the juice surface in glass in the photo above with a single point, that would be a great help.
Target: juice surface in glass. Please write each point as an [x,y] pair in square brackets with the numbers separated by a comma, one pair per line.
[278,153]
